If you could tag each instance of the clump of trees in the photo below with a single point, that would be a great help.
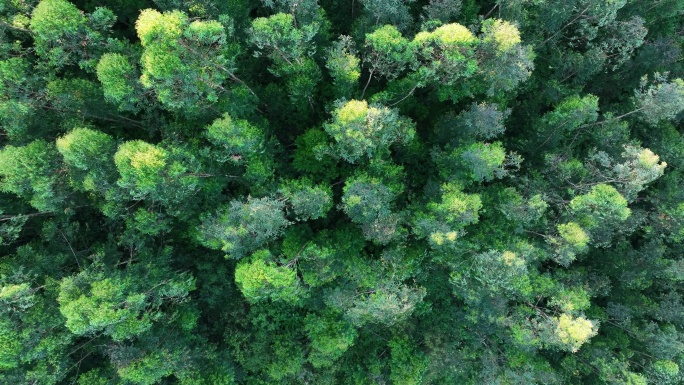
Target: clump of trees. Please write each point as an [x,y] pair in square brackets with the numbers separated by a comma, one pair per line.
[341,192]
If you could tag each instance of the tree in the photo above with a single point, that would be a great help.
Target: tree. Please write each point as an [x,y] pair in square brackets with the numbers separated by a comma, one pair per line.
[17,105]
[117,305]
[238,139]
[387,52]
[483,121]
[328,256]
[488,161]
[572,333]
[505,62]
[492,273]
[600,211]
[30,173]
[309,156]
[149,171]
[330,338]
[185,62]
[388,304]
[290,49]
[664,372]
[602,203]
[260,279]
[640,167]
[443,10]
[64,35]
[659,101]
[242,227]
[307,201]
[573,240]
[304,12]
[443,220]
[344,67]
[88,153]
[360,130]
[119,80]
[566,117]
[33,340]
[407,367]
[394,12]
[446,56]
[367,201]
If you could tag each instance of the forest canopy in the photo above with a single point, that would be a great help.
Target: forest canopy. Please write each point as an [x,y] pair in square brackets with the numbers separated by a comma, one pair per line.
[406,192]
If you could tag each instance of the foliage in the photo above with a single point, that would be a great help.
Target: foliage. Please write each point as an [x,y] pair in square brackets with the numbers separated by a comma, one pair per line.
[360,130]
[29,172]
[330,192]
[242,227]
[184,62]
[258,280]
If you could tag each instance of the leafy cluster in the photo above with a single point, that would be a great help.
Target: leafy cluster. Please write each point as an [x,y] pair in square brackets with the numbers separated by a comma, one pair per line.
[287,192]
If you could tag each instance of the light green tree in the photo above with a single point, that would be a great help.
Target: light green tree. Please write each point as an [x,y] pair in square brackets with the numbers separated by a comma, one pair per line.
[64,35]
[446,56]
[259,279]
[185,62]
[442,221]
[118,305]
[31,172]
[344,67]
[89,155]
[362,131]
[119,80]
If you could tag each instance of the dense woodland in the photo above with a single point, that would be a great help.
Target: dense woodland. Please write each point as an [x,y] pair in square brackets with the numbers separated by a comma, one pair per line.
[341,192]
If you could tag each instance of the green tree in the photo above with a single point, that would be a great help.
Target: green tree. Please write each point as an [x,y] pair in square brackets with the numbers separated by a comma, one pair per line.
[388,53]
[505,62]
[488,161]
[64,35]
[443,10]
[308,201]
[259,279]
[30,172]
[119,80]
[290,49]
[304,12]
[117,305]
[150,171]
[659,101]
[238,139]
[573,240]
[16,104]
[442,221]
[368,203]
[184,62]
[360,130]
[344,67]
[446,56]
[89,155]
[407,366]
[34,343]
[483,121]
[330,338]
[394,12]
[388,304]
[242,227]
[602,203]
